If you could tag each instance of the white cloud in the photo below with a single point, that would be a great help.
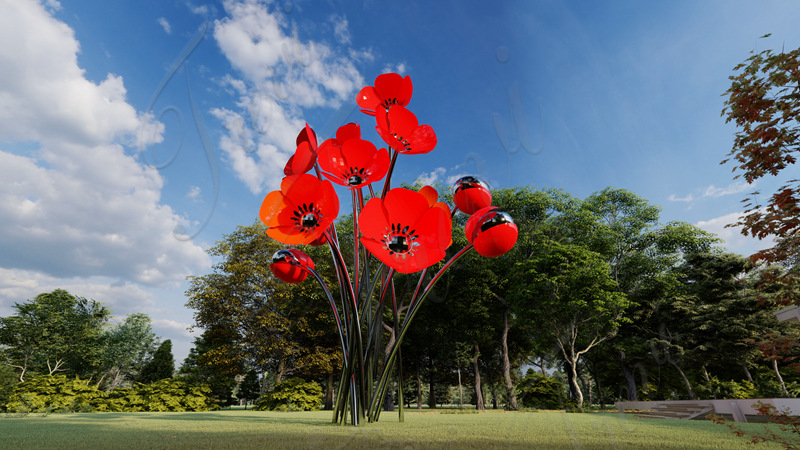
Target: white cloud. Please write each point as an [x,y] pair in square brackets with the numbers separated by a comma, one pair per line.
[340,28]
[733,238]
[43,93]
[173,326]
[194,193]
[712,192]
[399,68]
[431,177]
[165,25]
[22,285]
[78,207]
[675,198]
[281,75]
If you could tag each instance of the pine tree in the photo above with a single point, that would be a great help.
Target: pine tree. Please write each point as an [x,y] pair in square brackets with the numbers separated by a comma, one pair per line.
[161,366]
[249,389]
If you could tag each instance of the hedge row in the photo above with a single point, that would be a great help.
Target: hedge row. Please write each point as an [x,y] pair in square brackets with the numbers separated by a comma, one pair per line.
[57,393]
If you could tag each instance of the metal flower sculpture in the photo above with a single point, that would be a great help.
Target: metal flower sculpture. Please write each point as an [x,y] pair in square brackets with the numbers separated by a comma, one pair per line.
[396,230]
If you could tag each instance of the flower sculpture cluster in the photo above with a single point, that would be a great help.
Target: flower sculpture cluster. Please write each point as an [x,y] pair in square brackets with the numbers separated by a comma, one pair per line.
[406,231]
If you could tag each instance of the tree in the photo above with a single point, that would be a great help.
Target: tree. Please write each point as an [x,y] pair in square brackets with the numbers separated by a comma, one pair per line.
[575,301]
[127,347]
[271,325]
[249,388]
[764,102]
[203,365]
[161,366]
[55,332]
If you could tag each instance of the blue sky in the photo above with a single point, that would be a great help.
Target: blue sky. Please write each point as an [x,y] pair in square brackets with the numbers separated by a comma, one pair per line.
[133,135]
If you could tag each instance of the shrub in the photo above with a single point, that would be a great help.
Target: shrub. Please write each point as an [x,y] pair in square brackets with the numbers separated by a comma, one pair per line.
[54,393]
[57,393]
[726,389]
[8,379]
[294,394]
[540,391]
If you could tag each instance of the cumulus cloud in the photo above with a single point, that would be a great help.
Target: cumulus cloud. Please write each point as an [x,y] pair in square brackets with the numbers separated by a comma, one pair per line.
[431,177]
[733,238]
[76,207]
[280,74]
[21,285]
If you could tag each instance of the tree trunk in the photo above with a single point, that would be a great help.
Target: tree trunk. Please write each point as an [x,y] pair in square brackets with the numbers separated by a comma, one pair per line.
[747,373]
[431,393]
[571,364]
[460,390]
[419,389]
[511,395]
[479,405]
[587,386]
[630,383]
[388,401]
[705,374]
[494,395]
[329,393]
[780,378]
[281,369]
[683,377]
[601,398]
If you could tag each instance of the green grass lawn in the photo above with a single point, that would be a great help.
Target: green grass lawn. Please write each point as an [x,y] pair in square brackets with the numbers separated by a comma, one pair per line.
[249,429]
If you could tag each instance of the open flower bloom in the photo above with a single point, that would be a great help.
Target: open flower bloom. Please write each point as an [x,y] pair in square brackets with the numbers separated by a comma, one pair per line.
[305,155]
[407,230]
[492,232]
[288,265]
[400,129]
[301,211]
[471,194]
[390,89]
[355,163]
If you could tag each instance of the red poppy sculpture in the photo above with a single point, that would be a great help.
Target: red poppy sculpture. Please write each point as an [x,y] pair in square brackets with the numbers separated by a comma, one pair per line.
[396,230]
[351,161]
[471,194]
[301,211]
[400,129]
[491,231]
[291,265]
[405,230]
[390,89]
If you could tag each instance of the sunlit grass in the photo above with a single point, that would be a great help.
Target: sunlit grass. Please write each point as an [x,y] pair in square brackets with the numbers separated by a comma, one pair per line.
[250,429]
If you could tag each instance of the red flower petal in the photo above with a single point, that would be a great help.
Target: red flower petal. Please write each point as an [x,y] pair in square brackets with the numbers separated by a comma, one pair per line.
[349,131]
[430,194]
[307,135]
[373,220]
[369,99]
[302,161]
[406,205]
[394,87]
[422,140]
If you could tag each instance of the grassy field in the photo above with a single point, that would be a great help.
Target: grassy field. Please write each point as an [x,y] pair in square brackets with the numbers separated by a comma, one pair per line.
[248,429]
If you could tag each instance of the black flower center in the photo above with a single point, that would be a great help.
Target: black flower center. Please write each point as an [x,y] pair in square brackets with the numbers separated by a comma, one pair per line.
[387,103]
[356,176]
[400,241]
[307,217]
[406,144]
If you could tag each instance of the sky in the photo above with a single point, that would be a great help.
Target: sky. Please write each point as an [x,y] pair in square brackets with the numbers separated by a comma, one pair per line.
[136,134]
